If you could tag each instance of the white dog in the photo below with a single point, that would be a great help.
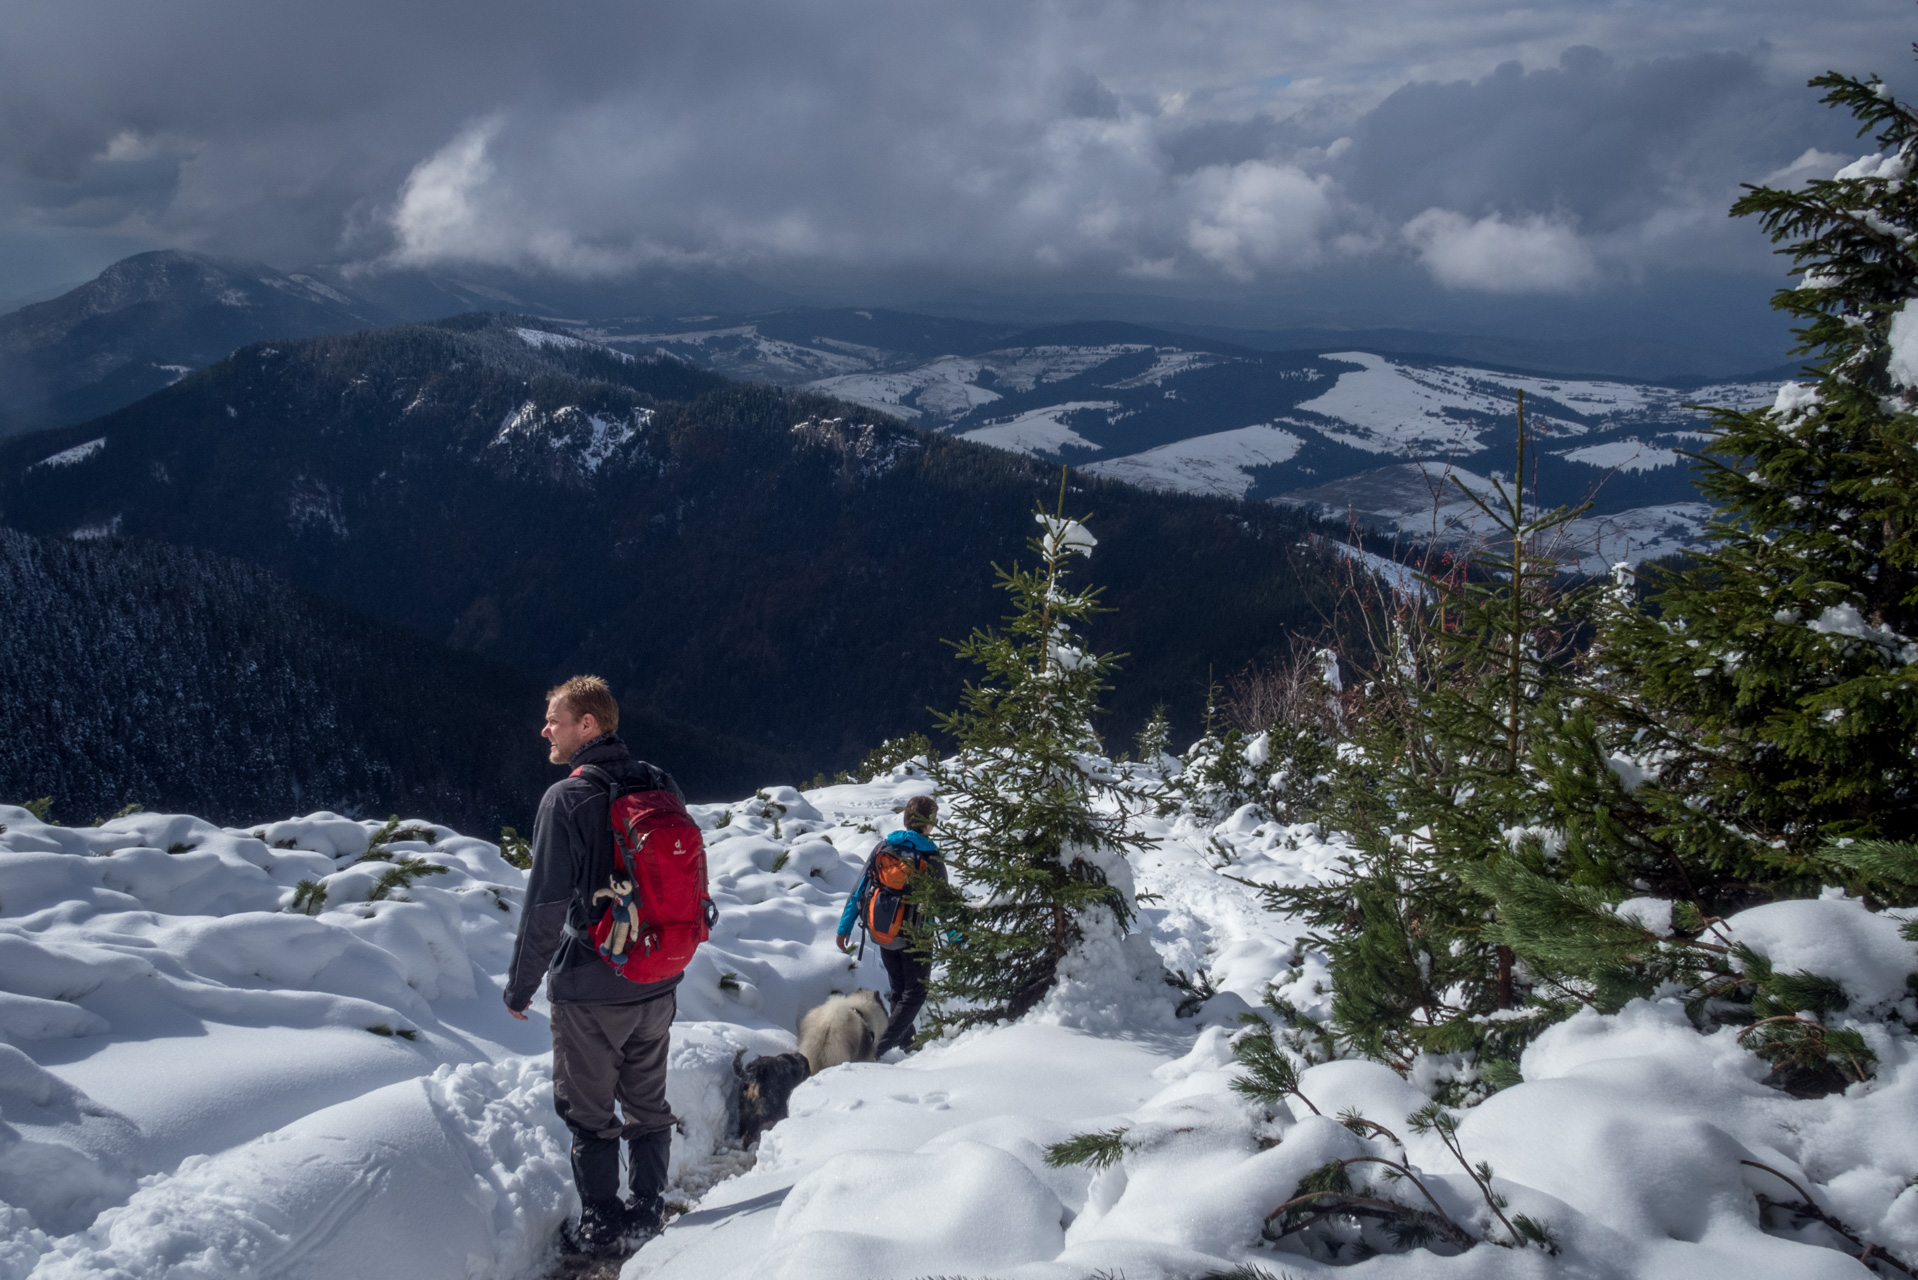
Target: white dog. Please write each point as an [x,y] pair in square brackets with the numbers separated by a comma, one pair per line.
[844,1029]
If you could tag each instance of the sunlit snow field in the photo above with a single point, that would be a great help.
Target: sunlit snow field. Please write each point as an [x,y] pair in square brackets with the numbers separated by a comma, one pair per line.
[198,1080]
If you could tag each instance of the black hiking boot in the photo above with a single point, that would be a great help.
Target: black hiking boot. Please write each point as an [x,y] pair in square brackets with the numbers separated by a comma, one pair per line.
[599,1233]
[646,1159]
[602,1218]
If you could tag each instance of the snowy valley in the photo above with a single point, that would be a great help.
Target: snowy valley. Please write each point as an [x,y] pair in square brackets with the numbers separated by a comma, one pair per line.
[275,1051]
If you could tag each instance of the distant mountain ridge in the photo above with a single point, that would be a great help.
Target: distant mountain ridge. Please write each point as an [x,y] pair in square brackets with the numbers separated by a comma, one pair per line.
[1175,411]
[146,322]
[1328,429]
[149,315]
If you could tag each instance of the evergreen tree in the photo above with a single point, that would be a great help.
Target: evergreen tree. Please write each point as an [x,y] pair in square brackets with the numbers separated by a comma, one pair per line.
[1216,777]
[1742,730]
[1439,777]
[1770,695]
[1036,825]
[1745,732]
[1777,679]
[1155,740]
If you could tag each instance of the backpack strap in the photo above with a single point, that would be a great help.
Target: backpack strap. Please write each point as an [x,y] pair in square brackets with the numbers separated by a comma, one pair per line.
[593,773]
[598,775]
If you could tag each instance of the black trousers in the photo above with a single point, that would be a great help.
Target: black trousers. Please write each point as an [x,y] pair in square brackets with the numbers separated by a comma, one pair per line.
[908,974]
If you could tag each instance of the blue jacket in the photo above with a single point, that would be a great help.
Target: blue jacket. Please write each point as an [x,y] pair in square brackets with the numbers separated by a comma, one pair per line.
[908,839]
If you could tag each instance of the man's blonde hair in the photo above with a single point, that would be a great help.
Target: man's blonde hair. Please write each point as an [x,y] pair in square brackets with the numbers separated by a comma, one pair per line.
[588,696]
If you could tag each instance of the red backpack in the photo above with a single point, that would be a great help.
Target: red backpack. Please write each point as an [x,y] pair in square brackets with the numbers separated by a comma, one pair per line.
[657,909]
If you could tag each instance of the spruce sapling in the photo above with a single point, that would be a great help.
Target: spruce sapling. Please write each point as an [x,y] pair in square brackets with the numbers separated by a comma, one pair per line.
[1024,829]
[400,876]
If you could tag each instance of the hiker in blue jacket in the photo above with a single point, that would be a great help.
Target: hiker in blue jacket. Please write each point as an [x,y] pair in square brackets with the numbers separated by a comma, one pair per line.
[906,971]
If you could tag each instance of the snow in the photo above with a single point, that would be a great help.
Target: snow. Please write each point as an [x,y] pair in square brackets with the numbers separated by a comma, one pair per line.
[1628,455]
[539,339]
[1169,363]
[942,388]
[1067,536]
[98,529]
[1903,337]
[1843,619]
[1390,407]
[587,439]
[189,1085]
[1836,937]
[948,387]
[1040,430]
[1220,463]
[1024,368]
[1889,167]
[1400,578]
[68,457]
[742,351]
[1422,500]
[1397,407]
[1794,398]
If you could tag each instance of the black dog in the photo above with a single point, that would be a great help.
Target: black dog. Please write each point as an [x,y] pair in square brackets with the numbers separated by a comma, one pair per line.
[765,1086]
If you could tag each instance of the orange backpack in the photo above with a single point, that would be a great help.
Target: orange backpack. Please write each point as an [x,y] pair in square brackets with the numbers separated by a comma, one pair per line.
[883,910]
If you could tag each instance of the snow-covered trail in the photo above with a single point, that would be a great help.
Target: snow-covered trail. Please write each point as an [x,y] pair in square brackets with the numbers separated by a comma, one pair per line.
[198,1081]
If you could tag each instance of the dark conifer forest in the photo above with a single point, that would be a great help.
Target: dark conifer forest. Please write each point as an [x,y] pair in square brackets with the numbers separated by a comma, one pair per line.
[779,569]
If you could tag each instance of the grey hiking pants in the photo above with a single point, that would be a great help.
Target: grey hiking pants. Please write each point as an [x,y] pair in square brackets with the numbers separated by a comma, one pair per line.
[607,1053]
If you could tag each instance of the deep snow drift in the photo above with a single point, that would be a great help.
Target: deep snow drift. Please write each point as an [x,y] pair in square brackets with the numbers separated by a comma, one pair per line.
[200,1080]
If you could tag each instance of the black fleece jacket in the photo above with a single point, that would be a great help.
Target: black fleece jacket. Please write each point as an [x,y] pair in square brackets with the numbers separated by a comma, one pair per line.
[572,856]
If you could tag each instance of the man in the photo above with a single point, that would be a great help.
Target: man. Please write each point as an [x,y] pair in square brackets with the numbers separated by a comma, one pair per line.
[906,972]
[609,1033]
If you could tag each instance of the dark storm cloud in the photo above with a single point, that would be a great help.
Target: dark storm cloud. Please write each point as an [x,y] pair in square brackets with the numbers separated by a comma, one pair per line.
[1203,144]
[1602,142]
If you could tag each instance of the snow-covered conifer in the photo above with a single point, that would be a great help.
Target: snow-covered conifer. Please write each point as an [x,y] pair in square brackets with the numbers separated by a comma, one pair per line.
[1774,682]
[1039,859]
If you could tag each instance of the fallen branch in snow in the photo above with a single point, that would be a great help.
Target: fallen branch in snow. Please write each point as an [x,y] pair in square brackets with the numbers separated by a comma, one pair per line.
[1194,990]
[1247,1271]
[1435,1119]
[379,845]
[309,897]
[1829,1043]
[1806,1207]
[1335,1197]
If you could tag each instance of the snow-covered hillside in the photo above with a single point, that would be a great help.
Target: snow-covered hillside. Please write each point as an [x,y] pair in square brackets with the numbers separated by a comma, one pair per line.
[211,1072]
[1316,428]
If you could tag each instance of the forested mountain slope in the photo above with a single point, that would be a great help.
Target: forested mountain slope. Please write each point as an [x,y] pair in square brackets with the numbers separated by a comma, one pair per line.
[139,673]
[775,566]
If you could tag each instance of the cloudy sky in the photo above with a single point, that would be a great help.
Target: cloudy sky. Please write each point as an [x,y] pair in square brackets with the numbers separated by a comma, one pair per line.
[1571,151]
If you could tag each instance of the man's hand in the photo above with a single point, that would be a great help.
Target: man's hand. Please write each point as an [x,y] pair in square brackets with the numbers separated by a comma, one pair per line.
[845,942]
[517,1013]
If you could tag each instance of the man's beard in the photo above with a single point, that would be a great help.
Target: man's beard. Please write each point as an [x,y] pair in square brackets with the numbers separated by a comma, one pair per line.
[555,756]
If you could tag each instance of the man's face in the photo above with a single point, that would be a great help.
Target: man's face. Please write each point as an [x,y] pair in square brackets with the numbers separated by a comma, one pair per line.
[566,732]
